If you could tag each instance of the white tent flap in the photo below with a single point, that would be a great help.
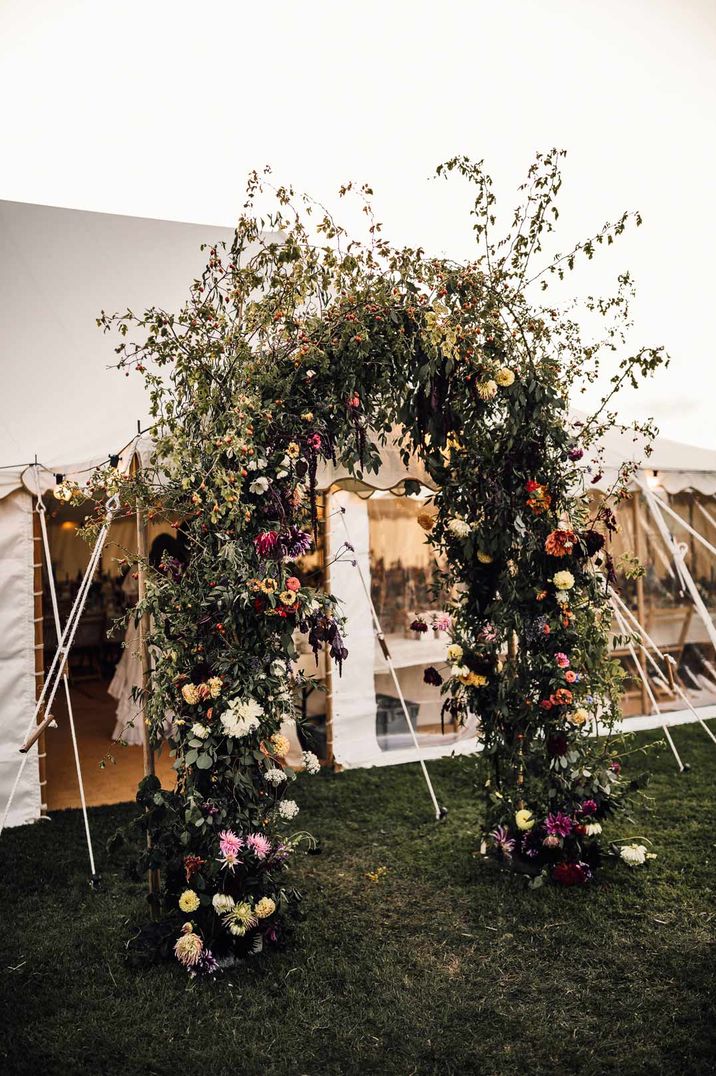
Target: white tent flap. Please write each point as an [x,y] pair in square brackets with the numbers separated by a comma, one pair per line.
[17,654]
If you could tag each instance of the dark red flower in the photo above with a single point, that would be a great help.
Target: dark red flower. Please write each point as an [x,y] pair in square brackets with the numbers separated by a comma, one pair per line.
[593,542]
[266,543]
[557,745]
[571,873]
[419,625]
[192,864]
[432,676]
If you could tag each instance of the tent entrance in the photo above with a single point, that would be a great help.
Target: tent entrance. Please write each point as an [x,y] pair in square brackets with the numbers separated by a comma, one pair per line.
[111,770]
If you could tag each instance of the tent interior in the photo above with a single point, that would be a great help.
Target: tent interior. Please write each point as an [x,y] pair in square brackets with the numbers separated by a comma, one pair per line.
[400,571]
[356,718]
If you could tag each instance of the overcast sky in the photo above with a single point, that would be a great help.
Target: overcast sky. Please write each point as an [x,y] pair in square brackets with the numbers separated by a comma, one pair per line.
[160,109]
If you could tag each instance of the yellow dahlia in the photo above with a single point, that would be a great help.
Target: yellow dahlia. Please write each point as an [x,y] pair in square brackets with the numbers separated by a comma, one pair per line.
[190,694]
[505,377]
[265,907]
[188,901]
[280,743]
[486,390]
[563,580]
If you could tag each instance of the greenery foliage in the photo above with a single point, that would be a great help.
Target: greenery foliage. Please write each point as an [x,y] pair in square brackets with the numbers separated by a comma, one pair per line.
[301,346]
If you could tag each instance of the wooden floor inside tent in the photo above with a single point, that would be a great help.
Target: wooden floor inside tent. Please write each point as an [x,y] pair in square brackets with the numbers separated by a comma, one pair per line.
[116,781]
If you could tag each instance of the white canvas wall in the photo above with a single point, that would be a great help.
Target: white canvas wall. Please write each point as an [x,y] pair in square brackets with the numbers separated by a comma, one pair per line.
[17,655]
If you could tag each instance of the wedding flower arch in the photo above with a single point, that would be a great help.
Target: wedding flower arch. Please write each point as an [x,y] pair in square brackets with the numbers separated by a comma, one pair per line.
[301,345]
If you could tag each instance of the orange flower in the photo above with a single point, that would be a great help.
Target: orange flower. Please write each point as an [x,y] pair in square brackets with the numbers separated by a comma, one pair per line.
[539,499]
[560,543]
[562,696]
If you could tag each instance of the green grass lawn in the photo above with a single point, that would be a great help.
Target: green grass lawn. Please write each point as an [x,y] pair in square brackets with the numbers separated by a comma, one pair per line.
[443,965]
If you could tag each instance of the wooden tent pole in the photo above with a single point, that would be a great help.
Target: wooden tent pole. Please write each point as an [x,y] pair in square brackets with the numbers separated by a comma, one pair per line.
[37,590]
[328,664]
[143,629]
[640,603]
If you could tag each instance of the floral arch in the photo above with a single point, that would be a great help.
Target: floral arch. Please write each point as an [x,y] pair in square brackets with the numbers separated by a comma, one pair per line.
[306,347]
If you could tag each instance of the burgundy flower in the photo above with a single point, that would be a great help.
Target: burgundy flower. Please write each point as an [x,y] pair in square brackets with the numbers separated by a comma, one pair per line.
[593,542]
[266,543]
[571,873]
[557,745]
[432,676]
[589,807]
[575,453]
[419,625]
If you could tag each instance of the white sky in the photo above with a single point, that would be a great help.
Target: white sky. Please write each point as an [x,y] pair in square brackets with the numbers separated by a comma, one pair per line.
[160,109]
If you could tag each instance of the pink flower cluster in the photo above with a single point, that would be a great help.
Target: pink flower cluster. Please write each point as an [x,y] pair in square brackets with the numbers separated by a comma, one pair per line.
[559,824]
[562,660]
[229,845]
[259,844]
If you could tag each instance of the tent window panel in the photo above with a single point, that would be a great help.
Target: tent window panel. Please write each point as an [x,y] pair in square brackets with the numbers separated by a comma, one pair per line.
[405,583]
[404,577]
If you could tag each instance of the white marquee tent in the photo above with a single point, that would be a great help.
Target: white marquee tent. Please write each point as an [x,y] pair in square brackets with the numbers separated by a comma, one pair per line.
[58,269]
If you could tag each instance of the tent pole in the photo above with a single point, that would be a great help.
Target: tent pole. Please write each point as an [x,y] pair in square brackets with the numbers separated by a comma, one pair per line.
[655,505]
[39,654]
[330,757]
[440,812]
[643,673]
[143,629]
[640,603]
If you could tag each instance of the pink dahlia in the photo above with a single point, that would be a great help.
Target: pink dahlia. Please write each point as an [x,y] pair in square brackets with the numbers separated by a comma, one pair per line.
[559,824]
[259,844]
[229,843]
[230,846]
[503,842]
[442,622]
